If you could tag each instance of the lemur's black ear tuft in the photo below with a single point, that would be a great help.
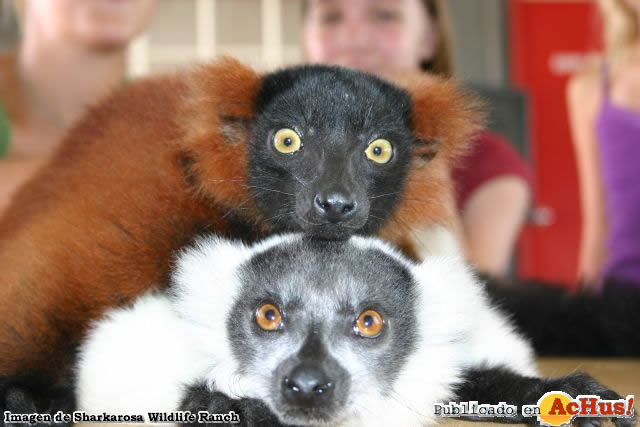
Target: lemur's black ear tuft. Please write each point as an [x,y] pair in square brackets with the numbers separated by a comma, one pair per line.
[218,108]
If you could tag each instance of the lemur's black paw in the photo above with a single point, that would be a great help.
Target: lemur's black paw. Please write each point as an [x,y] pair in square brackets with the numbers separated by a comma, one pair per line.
[580,383]
[251,412]
[597,422]
[588,422]
[34,396]
[625,422]
[583,384]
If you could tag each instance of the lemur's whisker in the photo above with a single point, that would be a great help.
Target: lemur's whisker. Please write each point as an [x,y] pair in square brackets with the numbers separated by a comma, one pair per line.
[385,195]
[297,178]
[411,230]
[241,181]
[408,229]
[309,222]
[270,190]
[234,379]
[276,219]
[239,207]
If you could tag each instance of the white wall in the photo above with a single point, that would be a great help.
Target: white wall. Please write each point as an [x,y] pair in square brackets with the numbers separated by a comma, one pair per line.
[264,33]
[481,40]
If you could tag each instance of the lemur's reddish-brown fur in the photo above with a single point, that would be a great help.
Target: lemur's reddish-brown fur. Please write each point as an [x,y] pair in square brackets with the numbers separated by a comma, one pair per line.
[142,172]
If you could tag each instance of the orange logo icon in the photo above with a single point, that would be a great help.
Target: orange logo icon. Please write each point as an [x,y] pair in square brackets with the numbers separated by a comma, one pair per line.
[552,409]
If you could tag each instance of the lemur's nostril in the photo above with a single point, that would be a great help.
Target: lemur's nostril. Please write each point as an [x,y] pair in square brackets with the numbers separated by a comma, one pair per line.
[321,389]
[291,385]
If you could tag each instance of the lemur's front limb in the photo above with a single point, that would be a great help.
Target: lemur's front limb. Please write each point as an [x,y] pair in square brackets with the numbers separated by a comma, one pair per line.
[251,412]
[495,385]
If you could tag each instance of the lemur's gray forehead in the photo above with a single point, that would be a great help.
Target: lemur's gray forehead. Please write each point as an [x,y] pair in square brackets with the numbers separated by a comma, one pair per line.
[354,270]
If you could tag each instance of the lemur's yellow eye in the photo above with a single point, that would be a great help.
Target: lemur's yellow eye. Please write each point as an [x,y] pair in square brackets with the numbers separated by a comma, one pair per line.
[379,151]
[268,317]
[287,141]
[369,324]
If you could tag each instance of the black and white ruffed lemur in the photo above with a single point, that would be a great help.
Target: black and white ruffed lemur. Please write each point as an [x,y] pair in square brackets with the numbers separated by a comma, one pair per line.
[299,331]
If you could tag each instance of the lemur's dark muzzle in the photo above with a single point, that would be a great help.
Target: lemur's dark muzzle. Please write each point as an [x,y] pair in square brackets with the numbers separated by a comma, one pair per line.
[334,206]
[307,385]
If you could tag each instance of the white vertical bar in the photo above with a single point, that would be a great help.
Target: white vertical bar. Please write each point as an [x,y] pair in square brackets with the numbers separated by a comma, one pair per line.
[494,42]
[4,13]
[138,57]
[205,29]
[272,33]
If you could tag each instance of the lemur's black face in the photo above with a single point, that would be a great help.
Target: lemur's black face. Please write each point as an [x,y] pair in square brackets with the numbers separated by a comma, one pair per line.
[330,150]
[317,339]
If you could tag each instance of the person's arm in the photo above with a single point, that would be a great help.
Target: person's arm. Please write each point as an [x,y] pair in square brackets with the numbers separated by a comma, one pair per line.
[493,195]
[583,99]
[14,172]
[491,220]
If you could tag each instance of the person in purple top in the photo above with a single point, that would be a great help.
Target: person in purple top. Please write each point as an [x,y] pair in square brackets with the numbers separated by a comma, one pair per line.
[604,108]
[603,317]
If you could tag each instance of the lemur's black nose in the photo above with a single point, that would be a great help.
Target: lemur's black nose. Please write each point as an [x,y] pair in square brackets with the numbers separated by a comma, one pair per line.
[307,385]
[336,206]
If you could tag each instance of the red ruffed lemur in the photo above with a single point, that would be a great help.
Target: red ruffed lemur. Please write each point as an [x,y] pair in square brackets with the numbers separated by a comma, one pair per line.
[223,149]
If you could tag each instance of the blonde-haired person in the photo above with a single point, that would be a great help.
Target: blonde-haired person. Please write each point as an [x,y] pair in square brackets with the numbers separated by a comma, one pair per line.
[393,36]
[71,53]
[604,109]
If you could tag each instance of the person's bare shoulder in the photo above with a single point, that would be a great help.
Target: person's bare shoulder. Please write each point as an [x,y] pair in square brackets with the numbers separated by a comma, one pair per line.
[8,94]
[584,89]
[7,65]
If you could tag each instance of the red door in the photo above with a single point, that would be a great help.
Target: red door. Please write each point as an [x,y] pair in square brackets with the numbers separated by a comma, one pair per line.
[549,40]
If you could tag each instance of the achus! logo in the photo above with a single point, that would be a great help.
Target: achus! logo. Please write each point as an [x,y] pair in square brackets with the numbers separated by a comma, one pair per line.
[557,408]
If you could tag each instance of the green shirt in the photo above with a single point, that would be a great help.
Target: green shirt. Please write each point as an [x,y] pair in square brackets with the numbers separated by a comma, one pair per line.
[5,133]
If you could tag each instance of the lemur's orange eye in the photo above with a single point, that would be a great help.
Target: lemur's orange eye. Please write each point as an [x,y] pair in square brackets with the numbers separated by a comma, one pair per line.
[268,317]
[287,141]
[369,324]
[379,151]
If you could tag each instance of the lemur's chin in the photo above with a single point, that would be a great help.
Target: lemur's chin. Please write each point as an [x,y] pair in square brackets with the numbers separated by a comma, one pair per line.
[331,231]
[308,417]
[323,230]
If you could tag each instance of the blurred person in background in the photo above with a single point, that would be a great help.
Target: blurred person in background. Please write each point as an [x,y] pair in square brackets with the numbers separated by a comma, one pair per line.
[604,109]
[71,53]
[603,318]
[385,37]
